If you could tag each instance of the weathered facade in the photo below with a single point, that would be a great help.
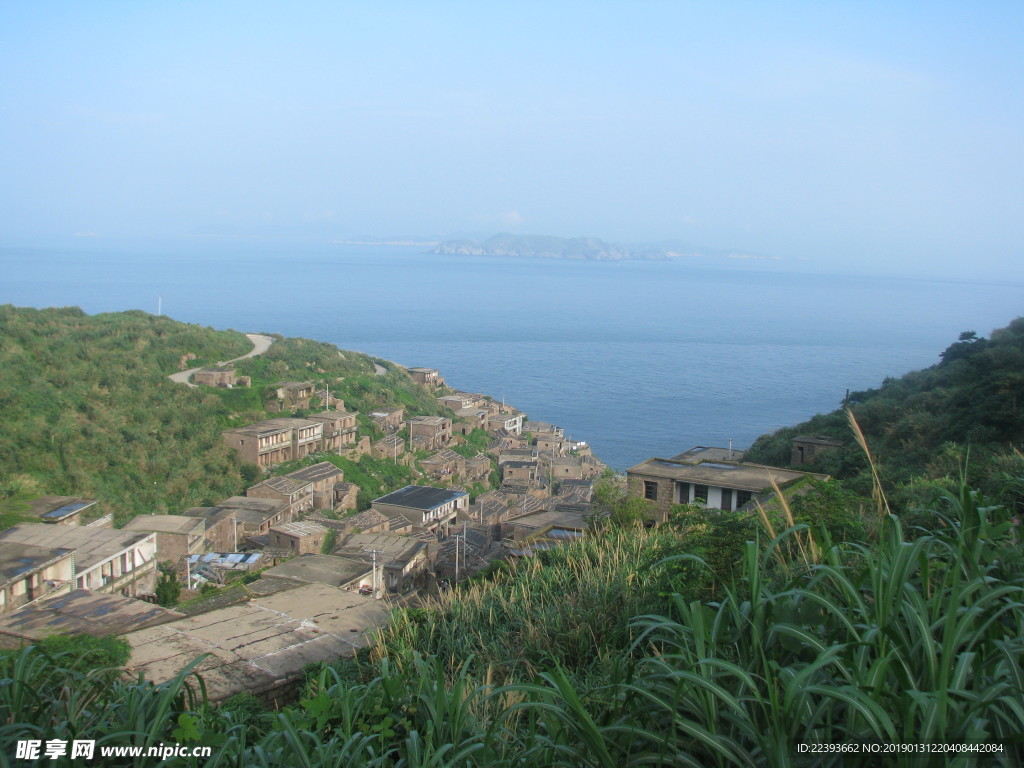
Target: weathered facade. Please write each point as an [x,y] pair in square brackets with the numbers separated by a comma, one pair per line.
[299,538]
[388,420]
[432,431]
[104,560]
[28,573]
[426,508]
[176,535]
[807,448]
[715,483]
[427,377]
[61,510]
[339,430]
[273,441]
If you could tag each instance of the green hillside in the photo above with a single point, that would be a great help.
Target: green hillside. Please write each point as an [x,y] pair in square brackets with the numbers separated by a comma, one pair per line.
[925,428]
[89,411]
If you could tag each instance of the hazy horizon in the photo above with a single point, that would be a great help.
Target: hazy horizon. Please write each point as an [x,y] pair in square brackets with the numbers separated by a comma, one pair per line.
[856,138]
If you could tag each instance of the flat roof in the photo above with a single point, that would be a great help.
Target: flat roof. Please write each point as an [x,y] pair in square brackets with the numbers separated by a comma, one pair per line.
[253,505]
[444,457]
[818,440]
[259,643]
[332,414]
[701,453]
[749,477]
[429,419]
[273,426]
[92,546]
[391,548]
[18,559]
[285,485]
[331,570]
[181,524]
[228,560]
[53,508]
[83,612]
[300,528]
[549,518]
[420,497]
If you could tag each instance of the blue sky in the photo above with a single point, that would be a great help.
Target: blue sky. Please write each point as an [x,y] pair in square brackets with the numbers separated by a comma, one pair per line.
[837,136]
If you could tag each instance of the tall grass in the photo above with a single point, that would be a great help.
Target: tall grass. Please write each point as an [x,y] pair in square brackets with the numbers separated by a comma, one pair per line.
[897,641]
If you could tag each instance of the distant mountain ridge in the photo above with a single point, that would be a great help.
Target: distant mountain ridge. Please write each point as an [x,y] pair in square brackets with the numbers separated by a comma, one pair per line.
[539,247]
[580,248]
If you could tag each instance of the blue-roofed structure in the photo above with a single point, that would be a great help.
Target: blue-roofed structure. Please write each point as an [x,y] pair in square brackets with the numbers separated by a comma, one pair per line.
[60,510]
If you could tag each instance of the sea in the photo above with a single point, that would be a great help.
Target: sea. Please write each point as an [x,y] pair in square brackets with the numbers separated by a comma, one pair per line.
[637,358]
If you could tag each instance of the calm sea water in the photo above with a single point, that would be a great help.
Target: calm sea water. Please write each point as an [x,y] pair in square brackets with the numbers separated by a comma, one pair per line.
[639,359]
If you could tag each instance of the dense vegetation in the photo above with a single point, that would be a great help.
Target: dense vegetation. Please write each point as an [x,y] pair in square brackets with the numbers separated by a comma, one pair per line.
[718,639]
[89,410]
[581,659]
[963,415]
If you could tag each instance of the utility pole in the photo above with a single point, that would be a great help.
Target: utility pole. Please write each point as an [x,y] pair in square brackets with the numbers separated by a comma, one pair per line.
[375,552]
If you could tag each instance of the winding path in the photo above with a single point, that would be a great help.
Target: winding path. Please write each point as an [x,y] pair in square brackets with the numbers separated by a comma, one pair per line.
[260,344]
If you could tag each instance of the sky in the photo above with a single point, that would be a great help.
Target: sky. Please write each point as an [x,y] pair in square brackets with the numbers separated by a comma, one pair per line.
[842,136]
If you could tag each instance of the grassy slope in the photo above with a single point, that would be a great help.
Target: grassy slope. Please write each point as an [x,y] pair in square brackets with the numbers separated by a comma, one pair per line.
[89,410]
[926,423]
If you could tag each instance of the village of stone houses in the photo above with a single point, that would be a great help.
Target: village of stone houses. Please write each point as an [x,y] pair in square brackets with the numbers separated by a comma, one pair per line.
[293,573]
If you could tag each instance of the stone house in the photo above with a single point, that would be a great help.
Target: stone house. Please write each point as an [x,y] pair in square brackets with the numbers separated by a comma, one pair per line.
[700,475]
[299,538]
[294,395]
[323,478]
[542,428]
[427,377]
[458,401]
[368,521]
[297,494]
[220,526]
[511,423]
[444,464]
[339,429]
[220,376]
[176,535]
[346,496]
[388,420]
[489,508]
[434,431]
[255,515]
[551,444]
[468,419]
[390,447]
[563,467]
[427,508]
[273,441]
[401,561]
[520,473]
[105,560]
[477,468]
[806,448]
[60,510]
[29,572]
[517,454]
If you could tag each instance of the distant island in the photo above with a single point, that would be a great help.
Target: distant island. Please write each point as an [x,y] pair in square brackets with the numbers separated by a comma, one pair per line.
[579,248]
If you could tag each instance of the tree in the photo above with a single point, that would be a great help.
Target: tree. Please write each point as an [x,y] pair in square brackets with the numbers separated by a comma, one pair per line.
[168,590]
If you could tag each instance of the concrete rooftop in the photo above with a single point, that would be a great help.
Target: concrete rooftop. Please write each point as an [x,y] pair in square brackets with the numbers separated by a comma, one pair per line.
[260,642]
